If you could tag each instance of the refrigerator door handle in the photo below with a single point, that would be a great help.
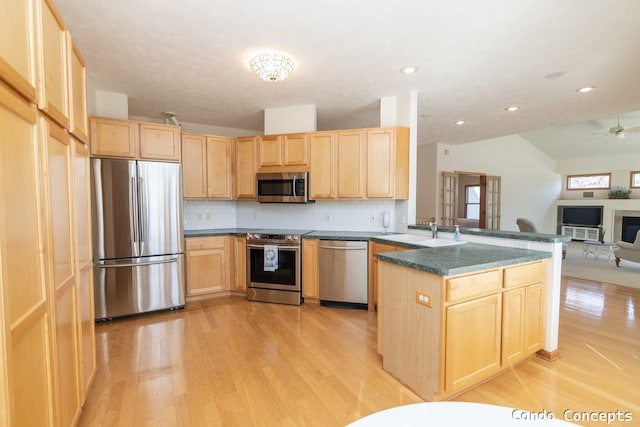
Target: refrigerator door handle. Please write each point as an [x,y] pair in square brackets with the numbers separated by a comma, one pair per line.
[133,217]
[102,264]
[143,213]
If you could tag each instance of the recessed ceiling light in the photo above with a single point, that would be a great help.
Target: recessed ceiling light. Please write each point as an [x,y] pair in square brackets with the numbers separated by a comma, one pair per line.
[512,108]
[409,70]
[586,89]
[459,122]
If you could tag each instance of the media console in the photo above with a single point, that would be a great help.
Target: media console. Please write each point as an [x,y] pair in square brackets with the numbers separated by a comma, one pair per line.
[581,233]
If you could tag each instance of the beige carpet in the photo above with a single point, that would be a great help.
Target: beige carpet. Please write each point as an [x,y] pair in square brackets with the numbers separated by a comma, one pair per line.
[601,270]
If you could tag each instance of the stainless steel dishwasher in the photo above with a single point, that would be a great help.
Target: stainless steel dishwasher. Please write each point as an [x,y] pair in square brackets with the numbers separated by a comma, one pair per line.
[343,273]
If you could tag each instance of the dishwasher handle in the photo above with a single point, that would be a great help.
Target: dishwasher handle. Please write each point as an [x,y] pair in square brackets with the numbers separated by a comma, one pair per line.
[345,248]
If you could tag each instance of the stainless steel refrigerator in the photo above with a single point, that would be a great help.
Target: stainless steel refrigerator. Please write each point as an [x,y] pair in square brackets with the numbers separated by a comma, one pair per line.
[137,236]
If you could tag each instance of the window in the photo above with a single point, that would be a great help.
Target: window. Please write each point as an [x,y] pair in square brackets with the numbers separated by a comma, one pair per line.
[600,181]
[472,201]
[635,179]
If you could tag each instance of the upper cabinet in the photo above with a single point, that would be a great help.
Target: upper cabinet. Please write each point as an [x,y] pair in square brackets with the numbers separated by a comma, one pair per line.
[207,166]
[18,60]
[246,166]
[53,90]
[283,151]
[359,164]
[78,119]
[134,140]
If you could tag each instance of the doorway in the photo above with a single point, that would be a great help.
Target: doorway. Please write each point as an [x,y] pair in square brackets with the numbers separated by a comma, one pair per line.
[471,200]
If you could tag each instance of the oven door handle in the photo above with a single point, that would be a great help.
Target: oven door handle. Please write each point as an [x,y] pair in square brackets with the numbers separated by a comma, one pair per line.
[254,246]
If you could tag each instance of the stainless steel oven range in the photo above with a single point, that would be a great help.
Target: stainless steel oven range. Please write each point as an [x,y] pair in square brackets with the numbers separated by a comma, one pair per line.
[274,266]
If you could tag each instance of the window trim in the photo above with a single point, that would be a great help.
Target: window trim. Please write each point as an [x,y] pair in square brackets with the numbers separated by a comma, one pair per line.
[631,174]
[608,174]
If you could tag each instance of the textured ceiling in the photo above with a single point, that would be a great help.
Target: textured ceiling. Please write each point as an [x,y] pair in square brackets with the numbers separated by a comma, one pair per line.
[474,58]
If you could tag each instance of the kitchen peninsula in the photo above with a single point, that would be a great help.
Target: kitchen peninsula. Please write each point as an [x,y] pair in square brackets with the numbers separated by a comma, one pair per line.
[451,317]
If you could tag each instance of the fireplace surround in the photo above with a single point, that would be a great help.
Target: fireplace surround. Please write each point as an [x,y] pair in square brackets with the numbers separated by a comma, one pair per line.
[625,225]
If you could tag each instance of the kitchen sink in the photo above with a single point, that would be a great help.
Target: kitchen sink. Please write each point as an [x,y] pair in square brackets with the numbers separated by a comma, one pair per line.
[422,240]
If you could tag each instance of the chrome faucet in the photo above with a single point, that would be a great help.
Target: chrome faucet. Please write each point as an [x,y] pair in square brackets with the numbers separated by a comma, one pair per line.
[434,230]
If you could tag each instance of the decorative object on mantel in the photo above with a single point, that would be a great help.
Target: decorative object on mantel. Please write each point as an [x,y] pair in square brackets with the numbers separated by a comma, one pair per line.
[619,192]
[601,232]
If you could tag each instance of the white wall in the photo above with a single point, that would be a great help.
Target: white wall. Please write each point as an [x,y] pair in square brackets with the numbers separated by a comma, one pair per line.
[299,118]
[427,181]
[620,167]
[530,183]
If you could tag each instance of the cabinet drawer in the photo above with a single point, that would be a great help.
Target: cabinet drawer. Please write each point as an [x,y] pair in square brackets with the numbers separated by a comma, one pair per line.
[473,285]
[213,242]
[525,274]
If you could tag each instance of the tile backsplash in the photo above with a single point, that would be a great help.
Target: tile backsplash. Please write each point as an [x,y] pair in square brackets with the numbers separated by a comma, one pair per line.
[365,215]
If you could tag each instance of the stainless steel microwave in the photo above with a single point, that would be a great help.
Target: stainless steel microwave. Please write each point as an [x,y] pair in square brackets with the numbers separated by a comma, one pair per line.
[283,187]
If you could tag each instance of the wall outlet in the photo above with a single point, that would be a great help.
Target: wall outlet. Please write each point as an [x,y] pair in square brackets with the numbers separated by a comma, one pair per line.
[327,217]
[199,217]
[209,216]
[372,218]
[423,298]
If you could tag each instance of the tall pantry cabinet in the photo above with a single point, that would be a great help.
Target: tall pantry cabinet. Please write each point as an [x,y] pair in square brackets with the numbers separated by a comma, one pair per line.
[47,342]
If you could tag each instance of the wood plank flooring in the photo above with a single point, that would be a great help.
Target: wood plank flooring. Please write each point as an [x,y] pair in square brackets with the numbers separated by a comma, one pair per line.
[230,362]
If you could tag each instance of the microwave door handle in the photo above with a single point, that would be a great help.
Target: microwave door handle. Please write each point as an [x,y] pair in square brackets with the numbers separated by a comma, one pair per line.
[295,196]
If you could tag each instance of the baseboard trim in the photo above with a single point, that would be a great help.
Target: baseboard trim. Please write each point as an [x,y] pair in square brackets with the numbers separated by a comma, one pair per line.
[549,356]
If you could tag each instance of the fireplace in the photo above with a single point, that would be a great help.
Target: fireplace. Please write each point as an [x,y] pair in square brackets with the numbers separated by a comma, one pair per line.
[630,227]
[625,225]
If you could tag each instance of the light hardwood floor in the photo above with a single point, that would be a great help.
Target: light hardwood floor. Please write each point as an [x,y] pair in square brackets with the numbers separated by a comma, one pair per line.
[232,362]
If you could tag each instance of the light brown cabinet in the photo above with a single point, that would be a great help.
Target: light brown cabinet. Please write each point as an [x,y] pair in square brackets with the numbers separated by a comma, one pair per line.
[388,163]
[53,91]
[376,248]
[276,151]
[323,161]
[207,167]
[352,162]
[246,166]
[134,140]
[78,118]
[208,262]
[19,66]
[240,264]
[310,272]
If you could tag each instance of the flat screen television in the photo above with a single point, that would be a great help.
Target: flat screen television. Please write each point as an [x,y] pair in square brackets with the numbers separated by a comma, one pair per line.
[587,216]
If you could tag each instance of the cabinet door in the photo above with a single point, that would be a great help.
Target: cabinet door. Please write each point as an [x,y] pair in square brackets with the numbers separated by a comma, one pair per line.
[54,91]
[513,307]
[25,359]
[207,265]
[323,162]
[351,164]
[381,161]
[78,119]
[472,328]
[159,142]
[240,261]
[246,165]
[84,271]
[219,172]
[310,283]
[113,138]
[534,324]
[194,166]
[270,150]
[295,149]
[61,273]
[374,249]
[17,50]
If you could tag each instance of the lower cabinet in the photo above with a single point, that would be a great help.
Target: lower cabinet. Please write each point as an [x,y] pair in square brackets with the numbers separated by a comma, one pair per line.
[209,261]
[472,341]
[376,248]
[240,263]
[310,277]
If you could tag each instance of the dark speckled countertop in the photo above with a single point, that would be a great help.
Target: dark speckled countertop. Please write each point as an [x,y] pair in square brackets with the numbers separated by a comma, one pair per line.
[217,232]
[343,235]
[458,259]
[517,235]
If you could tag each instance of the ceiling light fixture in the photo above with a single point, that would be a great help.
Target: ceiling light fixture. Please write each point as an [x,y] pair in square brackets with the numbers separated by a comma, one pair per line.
[620,135]
[409,70]
[586,89]
[512,108]
[170,118]
[459,122]
[272,66]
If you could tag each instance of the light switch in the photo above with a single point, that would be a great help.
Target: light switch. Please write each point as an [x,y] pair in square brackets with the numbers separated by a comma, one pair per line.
[423,298]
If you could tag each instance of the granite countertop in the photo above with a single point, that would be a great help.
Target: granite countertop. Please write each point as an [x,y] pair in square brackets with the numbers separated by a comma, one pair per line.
[458,259]
[516,235]
[217,232]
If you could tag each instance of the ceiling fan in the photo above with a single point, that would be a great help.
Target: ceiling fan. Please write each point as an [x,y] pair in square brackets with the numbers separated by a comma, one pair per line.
[620,131]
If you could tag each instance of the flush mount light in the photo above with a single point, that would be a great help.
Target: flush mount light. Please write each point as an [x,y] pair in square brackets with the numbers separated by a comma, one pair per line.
[512,108]
[409,70]
[272,66]
[586,89]
[459,122]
